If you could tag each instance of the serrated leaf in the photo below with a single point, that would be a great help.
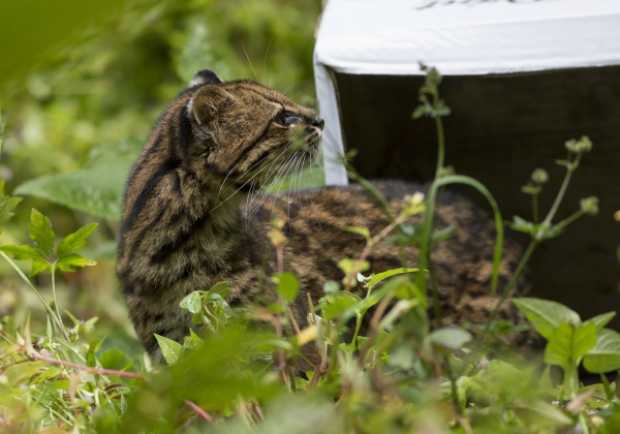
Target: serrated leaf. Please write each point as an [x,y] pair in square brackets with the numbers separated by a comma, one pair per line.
[41,232]
[74,262]
[605,356]
[75,241]
[287,286]
[22,252]
[39,266]
[7,204]
[544,315]
[450,338]
[170,350]
[375,279]
[192,302]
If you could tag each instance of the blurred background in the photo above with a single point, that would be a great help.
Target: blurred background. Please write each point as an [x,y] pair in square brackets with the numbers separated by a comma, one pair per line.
[82,84]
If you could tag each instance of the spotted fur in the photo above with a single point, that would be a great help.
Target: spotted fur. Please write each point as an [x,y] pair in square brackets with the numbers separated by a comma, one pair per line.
[186,225]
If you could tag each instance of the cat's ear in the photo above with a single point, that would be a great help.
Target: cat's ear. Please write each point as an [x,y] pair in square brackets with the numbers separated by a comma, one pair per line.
[207,103]
[205,76]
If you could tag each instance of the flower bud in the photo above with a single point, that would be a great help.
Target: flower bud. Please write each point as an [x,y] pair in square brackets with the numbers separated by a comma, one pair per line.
[589,205]
[540,176]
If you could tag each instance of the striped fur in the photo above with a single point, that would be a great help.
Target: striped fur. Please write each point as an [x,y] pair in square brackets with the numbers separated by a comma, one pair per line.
[185,224]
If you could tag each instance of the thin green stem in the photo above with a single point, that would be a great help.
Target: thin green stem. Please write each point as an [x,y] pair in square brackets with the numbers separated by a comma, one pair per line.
[453,388]
[23,276]
[569,220]
[520,267]
[441,146]
[358,326]
[560,196]
[56,306]
[535,211]
[514,279]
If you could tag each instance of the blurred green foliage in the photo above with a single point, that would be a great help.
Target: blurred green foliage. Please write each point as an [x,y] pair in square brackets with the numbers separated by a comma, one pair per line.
[101,72]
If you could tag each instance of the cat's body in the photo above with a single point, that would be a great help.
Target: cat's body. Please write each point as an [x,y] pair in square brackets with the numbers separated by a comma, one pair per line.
[186,226]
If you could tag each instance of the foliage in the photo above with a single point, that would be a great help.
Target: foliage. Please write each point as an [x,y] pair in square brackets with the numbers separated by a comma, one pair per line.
[370,360]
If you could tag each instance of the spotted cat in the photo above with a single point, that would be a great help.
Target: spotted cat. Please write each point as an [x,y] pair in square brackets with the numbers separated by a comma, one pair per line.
[186,224]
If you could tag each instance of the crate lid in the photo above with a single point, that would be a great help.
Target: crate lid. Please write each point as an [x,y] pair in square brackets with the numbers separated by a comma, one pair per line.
[467,37]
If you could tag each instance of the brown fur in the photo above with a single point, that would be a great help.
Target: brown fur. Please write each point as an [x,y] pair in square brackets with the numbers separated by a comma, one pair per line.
[186,224]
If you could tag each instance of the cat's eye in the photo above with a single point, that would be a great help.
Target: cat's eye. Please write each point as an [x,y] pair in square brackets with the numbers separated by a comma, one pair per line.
[287,118]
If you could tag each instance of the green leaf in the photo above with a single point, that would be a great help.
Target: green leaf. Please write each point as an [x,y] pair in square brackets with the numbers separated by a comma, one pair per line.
[569,343]
[22,252]
[41,232]
[352,266]
[600,321]
[288,286]
[375,279]
[359,230]
[450,338]
[39,266]
[74,262]
[7,205]
[96,190]
[521,225]
[334,305]
[544,315]
[114,358]
[75,241]
[192,302]
[170,350]
[605,356]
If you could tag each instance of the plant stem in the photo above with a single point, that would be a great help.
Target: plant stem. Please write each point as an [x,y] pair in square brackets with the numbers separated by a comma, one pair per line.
[569,220]
[45,304]
[441,145]
[453,389]
[535,211]
[58,314]
[200,412]
[558,199]
[97,371]
[507,292]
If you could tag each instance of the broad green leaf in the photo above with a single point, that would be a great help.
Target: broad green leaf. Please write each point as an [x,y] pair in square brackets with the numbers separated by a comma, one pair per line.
[96,190]
[605,356]
[75,241]
[287,286]
[544,315]
[569,344]
[334,305]
[41,232]
[600,321]
[22,252]
[380,277]
[170,350]
[192,302]
[114,358]
[450,338]
[74,262]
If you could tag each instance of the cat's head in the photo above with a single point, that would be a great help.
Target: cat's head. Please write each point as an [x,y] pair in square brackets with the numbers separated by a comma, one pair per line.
[245,131]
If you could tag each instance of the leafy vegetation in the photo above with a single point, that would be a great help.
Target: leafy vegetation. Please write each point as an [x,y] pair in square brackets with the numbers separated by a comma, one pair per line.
[368,362]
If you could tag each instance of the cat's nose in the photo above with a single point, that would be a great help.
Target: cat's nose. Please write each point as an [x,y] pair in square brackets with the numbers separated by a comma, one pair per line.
[318,122]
